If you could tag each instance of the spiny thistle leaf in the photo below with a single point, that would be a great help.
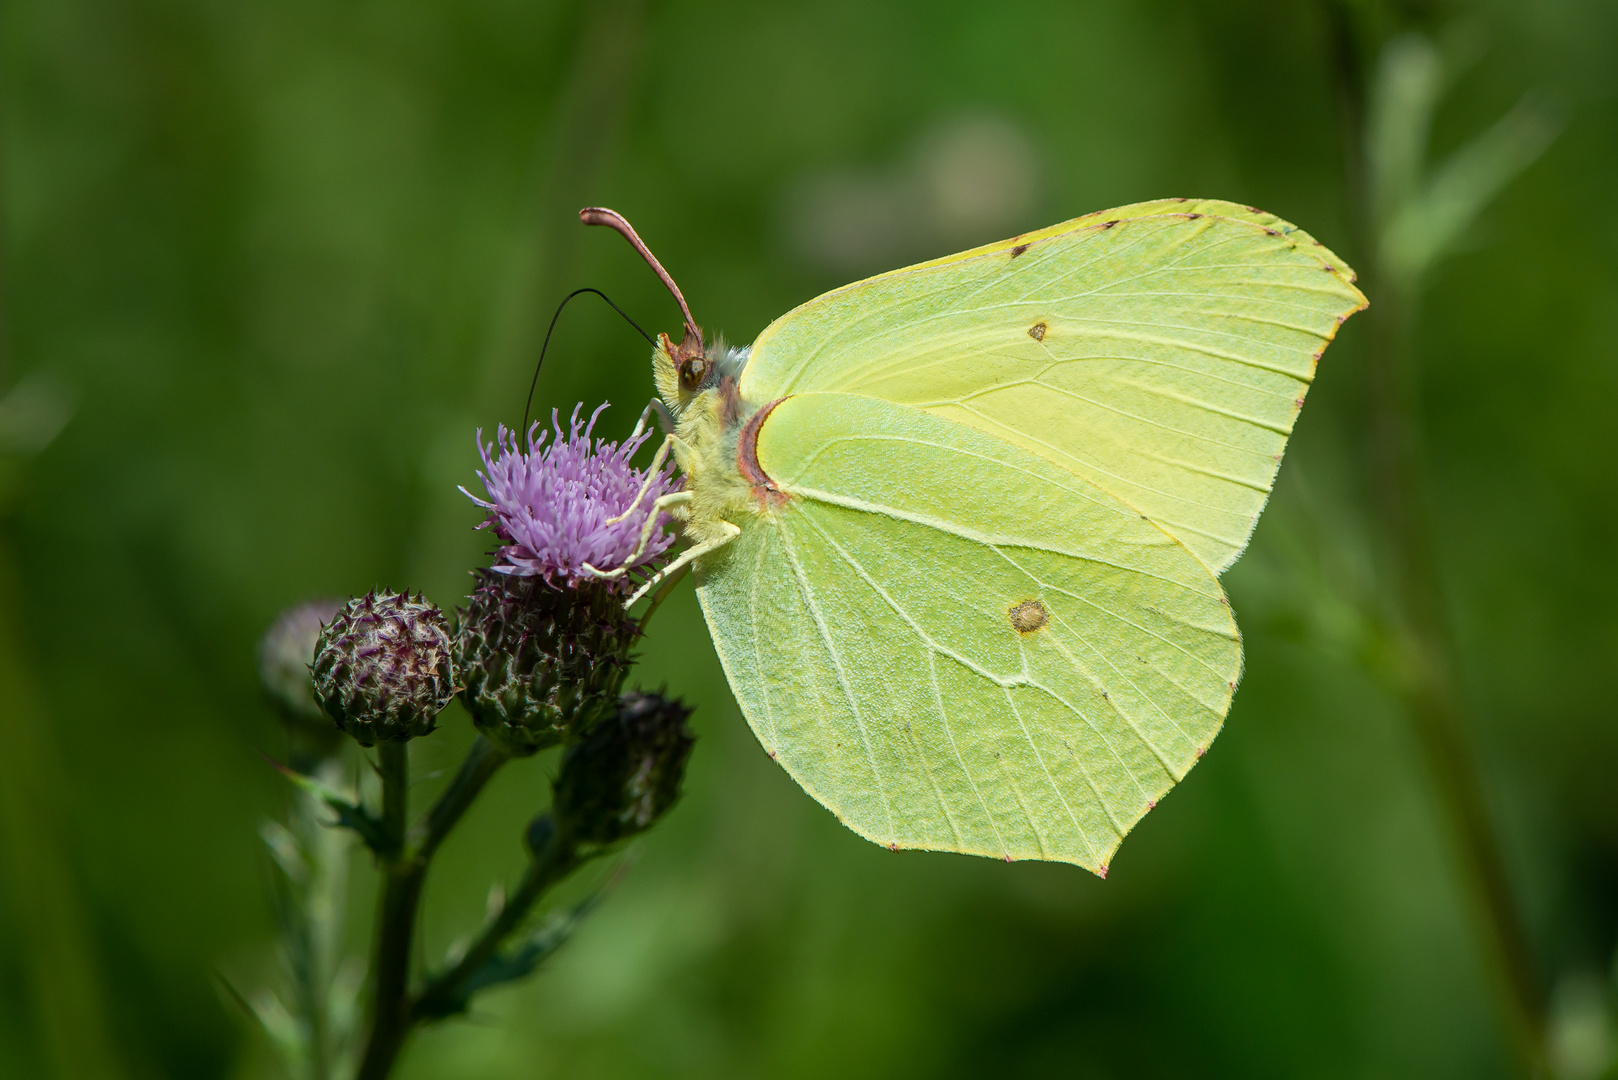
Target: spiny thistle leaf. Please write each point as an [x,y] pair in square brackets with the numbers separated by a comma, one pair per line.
[350,814]
[517,961]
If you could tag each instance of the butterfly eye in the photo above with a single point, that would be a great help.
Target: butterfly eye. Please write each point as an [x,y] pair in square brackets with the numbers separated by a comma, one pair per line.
[692,372]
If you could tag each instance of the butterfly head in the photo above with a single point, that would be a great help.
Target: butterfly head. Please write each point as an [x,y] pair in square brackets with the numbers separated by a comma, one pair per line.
[686,371]
[682,371]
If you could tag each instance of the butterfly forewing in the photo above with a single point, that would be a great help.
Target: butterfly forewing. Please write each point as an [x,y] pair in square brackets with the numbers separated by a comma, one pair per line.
[1159,351]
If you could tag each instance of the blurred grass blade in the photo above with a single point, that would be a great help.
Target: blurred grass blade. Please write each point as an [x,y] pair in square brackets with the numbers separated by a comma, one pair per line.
[1408,81]
[350,814]
[64,987]
[1427,226]
[273,1019]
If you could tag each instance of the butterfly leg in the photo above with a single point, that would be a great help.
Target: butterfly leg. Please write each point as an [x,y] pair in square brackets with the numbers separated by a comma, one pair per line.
[664,418]
[666,585]
[659,508]
[670,443]
[687,557]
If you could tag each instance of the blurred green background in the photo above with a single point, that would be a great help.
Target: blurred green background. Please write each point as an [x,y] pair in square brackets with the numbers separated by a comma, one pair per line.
[269,263]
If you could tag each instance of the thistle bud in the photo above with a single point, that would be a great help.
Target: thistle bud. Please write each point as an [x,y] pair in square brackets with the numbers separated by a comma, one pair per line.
[383,668]
[285,653]
[541,661]
[625,773]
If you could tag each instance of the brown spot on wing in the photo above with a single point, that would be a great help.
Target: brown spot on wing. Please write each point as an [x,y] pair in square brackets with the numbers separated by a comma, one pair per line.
[1029,616]
[1018,250]
[1037,331]
[764,489]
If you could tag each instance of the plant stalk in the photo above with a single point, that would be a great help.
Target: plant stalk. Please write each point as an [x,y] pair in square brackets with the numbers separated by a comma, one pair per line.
[404,874]
[396,918]
[548,867]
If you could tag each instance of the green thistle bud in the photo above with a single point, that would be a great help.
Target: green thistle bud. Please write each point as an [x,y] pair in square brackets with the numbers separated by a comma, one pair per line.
[383,668]
[285,653]
[541,661]
[625,773]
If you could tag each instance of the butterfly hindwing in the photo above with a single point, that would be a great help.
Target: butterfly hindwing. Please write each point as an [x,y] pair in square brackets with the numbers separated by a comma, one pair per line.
[956,645]
[1160,351]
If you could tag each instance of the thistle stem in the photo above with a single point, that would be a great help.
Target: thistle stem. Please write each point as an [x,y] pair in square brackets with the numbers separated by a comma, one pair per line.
[404,872]
[393,764]
[396,918]
[549,866]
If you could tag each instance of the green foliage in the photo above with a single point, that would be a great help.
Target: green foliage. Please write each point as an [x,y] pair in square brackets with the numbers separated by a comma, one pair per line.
[514,963]
[286,256]
[313,1025]
[347,811]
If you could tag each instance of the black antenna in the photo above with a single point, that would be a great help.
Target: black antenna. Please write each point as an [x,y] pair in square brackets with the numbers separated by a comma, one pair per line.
[547,343]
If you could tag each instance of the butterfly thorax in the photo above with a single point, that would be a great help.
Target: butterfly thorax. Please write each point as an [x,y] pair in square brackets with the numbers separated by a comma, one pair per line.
[716,430]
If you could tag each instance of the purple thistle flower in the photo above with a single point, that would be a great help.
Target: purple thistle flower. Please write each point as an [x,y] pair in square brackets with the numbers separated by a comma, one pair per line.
[552,505]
